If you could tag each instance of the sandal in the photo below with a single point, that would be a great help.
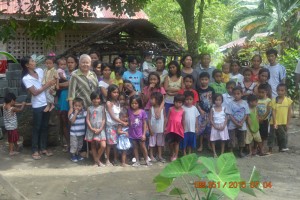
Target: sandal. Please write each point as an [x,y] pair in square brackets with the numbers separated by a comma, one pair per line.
[13,153]
[47,153]
[36,156]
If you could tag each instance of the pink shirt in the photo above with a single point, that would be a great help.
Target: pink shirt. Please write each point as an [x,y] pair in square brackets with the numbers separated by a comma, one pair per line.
[148,93]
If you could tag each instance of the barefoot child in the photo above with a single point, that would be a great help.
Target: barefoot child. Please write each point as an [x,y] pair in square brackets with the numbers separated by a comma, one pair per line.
[218,86]
[256,62]
[218,121]
[11,122]
[188,82]
[247,84]
[95,132]
[263,77]
[123,143]
[175,126]
[235,72]
[156,126]
[225,72]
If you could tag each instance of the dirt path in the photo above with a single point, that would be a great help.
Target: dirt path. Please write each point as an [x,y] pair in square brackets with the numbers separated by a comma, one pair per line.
[58,178]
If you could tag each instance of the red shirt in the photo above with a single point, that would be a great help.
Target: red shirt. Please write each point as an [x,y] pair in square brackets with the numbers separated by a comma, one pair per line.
[196,96]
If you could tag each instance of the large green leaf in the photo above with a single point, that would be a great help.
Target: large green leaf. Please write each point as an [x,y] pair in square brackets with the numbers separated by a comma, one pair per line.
[226,173]
[250,185]
[186,165]
[9,56]
[162,183]
[176,191]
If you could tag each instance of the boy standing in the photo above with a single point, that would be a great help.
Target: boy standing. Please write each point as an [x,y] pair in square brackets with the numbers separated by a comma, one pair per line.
[281,115]
[188,82]
[277,71]
[228,97]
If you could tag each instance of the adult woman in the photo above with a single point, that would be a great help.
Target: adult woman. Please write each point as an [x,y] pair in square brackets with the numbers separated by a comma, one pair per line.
[72,63]
[32,80]
[117,63]
[82,83]
[187,63]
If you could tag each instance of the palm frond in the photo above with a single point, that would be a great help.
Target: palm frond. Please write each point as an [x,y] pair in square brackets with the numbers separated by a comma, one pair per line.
[259,22]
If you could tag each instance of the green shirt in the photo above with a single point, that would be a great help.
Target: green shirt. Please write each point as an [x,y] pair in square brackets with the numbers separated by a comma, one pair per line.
[219,88]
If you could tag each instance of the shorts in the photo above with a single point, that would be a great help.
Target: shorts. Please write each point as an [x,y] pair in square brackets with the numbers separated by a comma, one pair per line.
[173,137]
[111,134]
[189,140]
[264,129]
[13,136]
[158,139]
[236,136]
[252,136]
[76,143]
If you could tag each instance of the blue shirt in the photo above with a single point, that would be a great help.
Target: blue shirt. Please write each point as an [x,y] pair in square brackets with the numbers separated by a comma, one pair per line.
[238,110]
[134,78]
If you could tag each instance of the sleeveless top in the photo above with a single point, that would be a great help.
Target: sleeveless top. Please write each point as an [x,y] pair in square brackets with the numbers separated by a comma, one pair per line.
[219,117]
[174,122]
[96,116]
[10,119]
[116,109]
[157,125]
[173,84]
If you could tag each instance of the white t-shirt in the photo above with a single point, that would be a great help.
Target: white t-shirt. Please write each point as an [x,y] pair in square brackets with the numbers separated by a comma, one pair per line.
[190,117]
[297,70]
[238,78]
[277,74]
[148,67]
[29,81]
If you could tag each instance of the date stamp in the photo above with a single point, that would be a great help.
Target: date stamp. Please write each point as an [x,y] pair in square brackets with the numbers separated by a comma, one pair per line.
[232,184]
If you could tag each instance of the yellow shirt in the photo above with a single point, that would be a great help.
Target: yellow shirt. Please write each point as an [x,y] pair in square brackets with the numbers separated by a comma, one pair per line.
[225,77]
[118,82]
[282,110]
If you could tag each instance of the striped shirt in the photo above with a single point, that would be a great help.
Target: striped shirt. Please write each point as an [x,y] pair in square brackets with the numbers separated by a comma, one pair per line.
[10,119]
[78,127]
[82,86]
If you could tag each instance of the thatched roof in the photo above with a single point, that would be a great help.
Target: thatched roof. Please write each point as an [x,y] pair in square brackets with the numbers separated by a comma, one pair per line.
[130,36]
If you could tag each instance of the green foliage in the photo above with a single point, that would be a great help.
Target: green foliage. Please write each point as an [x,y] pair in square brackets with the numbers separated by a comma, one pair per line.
[9,56]
[220,172]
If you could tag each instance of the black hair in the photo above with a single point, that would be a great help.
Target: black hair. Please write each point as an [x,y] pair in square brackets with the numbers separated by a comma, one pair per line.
[189,76]
[24,61]
[204,75]
[188,94]
[204,54]
[248,70]
[110,89]
[176,64]
[265,87]
[132,59]
[230,83]
[179,98]
[74,58]
[237,88]
[97,53]
[122,94]
[128,81]
[252,98]
[281,85]
[157,76]
[257,55]
[9,97]
[160,58]
[158,97]
[123,112]
[52,58]
[78,100]
[120,71]
[215,72]
[115,60]
[94,95]
[60,59]
[235,62]
[184,57]
[138,99]
[105,65]
[96,63]
[272,51]
[264,70]
[215,96]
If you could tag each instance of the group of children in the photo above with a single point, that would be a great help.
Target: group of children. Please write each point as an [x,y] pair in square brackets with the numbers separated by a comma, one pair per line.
[229,107]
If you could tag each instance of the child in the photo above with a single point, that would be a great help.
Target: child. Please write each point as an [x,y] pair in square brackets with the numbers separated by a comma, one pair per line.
[160,63]
[122,100]
[123,143]
[190,123]
[50,73]
[188,82]
[281,115]
[247,84]
[61,69]
[77,130]
[238,111]
[11,122]
[263,77]
[112,112]
[228,97]
[218,120]
[172,84]
[277,71]
[129,89]
[156,126]
[138,128]
[235,74]
[95,132]
[225,72]
[118,77]
[263,111]
[106,81]
[133,75]
[175,126]
[253,127]
[256,62]
[205,94]
[147,67]
[218,86]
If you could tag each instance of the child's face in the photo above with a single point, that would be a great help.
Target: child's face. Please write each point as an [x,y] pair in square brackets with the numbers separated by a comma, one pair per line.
[128,86]
[226,68]
[153,80]
[281,91]
[173,69]
[124,117]
[263,77]
[218,101]
[148,58]
[256,62]
[247,75]
[118,76]
[271,58]
[133,65]
[235,68]
[97,70]
[229,89]
[94,57]
[115,94]
[252,104]
[122,100]
[237,95]
[160,65]
[12,103]
[178,104]
[62,64]
[106,72]
[262,94]
[152,101]
[118,63]
[96,101]
[188,83]
[49,64]
[205,61]
[78,106]
[204,81]
[134,105]
[218,77]
[189,101]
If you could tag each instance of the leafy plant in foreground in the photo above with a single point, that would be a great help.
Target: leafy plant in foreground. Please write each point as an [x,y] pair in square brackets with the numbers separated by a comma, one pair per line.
[217,174]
